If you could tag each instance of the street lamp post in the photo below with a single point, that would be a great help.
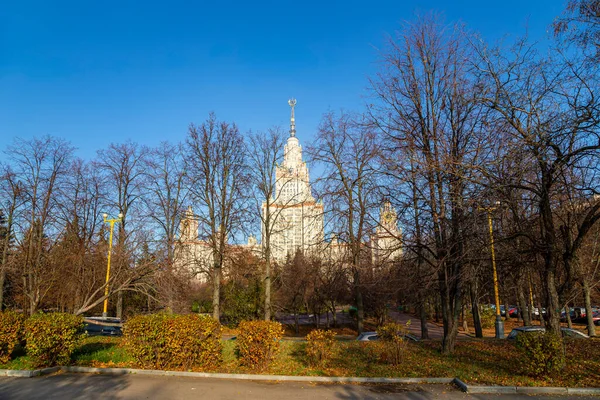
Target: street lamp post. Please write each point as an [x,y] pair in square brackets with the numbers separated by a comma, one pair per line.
[110,240]
[499,325]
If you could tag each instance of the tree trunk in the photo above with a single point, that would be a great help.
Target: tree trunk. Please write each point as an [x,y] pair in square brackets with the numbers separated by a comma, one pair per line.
[464,318]
[120,304]
[523,309]
[553,310]
[475,311]
[360,310]
[423,318]
[2,279]
[267,286]
[334,315]
[296,323]
[216,291]
[568,316]
[588,308]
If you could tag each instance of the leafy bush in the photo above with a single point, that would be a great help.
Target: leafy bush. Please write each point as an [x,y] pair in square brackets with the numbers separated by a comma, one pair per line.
[543,352]
[258,342]
[320,347]
[488,317]
[11,333]
[393,341]
[51,338]
[174,341]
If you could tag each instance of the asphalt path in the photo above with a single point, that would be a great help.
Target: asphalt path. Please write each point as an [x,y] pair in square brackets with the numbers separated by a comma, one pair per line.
[129,387]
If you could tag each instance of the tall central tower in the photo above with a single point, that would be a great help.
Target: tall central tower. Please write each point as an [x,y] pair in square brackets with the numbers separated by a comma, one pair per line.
[298,218]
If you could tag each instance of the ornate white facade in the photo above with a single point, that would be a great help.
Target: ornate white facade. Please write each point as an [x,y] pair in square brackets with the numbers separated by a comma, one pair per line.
[297,217]
[386,243]
[297,223]
[192,254]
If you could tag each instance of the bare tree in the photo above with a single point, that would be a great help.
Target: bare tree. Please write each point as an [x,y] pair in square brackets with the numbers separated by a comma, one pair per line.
[265,153]
[547,109]
[42,165]
[425,106]
[348,150]
[580,24]
[219,183]
[12,197]
[123,168]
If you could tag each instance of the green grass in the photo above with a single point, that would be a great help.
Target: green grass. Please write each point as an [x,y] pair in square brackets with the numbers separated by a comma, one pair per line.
[101,351]
[476,362]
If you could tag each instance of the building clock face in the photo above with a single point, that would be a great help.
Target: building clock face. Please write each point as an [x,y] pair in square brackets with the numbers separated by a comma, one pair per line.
[387,218]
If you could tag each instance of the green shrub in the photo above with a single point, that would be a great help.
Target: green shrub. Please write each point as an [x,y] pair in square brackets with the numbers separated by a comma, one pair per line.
[51,338]
[393,342]
[543,352]
[258,342]
[488,317]
[320,347]
[11,333]
[173,341]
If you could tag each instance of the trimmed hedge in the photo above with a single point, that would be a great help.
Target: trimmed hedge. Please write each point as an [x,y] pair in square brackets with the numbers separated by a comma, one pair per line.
[320,347]
[51,338]
[543,351]
[258,342]
[11,333]
[174,341]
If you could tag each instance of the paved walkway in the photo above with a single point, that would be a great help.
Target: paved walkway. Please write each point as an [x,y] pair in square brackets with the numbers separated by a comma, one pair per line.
[435,332]
[129,387]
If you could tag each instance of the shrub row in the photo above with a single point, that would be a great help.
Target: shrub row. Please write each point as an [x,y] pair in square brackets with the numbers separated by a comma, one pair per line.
[50,338]
[11,333]
[258,342]
[174,341]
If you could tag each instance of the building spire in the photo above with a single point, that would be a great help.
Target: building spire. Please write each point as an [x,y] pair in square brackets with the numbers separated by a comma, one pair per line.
[292,103]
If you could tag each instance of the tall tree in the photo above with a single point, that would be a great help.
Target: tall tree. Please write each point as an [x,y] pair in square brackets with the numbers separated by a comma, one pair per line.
[123,166]
[12,197]
[42,165]
[219,182]
[424,105]
[265,153]
[347,149]
[165,202]
[547,111]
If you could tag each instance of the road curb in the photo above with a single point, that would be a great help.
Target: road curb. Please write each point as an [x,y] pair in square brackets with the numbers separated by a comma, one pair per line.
[253,377]
[479,389]
[24,373]
[529,390]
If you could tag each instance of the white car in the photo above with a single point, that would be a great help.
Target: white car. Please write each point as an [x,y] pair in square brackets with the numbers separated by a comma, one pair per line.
[369,336]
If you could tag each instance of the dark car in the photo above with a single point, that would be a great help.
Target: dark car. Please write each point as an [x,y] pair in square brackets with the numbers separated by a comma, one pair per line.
[96,326]
[566,332]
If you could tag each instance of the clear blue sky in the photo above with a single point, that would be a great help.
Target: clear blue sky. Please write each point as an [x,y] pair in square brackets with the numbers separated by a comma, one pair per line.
[96,72]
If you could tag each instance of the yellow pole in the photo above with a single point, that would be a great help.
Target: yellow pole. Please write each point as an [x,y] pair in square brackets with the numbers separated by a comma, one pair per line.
[110,241]
[496,296]
[499,325]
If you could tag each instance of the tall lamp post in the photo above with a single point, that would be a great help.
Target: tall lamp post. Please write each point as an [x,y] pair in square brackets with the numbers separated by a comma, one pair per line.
[110,240]
[499,325]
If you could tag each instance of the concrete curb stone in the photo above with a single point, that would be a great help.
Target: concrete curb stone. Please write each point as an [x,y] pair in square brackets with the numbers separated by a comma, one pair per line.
[122,371]
[541,390]
[286,378]
[25,373]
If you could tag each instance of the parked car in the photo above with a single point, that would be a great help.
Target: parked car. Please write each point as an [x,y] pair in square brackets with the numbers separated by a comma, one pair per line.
[99,326]
[566,332]
[369,336]
[596,317]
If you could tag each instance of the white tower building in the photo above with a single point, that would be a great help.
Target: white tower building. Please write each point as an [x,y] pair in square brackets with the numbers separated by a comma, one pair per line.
[386,242]
[298,218]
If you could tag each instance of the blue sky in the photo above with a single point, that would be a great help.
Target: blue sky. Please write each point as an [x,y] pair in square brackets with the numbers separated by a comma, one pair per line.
[107,71]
